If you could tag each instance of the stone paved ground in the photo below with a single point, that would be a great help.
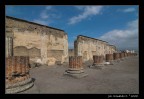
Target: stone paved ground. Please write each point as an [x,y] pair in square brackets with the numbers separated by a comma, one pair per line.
[120,78]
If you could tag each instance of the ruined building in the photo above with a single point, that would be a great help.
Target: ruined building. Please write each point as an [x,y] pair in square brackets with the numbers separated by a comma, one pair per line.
[87,47]
[41,43]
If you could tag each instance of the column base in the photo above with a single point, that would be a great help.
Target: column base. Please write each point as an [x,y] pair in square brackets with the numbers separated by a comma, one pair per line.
[19,86]
[97,66]
[117,61]
[122,59]
[76,73]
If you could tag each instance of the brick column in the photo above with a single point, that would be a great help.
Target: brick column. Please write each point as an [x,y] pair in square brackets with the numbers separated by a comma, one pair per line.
[75,67]
[121,56]
[135,54]
[98,62]
[126,55]
[17,74]
[109,59]
[23,65]
[18,65]
[7,46]
[116,57]
[27,65]
[129,54]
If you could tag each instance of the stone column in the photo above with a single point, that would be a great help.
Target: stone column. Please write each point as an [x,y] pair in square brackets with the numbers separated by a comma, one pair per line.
[44,49]
[10,46]
[23,65]
[129,54]
[17,79]
[8,68]
[27,65]
[125,55]
[6,46]
[98,61]
[121,56]
[109,59]
[116,57]
[18,65]
[90,51]
[13,65]
[65,46]
[75,69]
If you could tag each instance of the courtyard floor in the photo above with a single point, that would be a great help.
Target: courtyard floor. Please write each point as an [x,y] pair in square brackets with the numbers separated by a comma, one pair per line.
[120,78]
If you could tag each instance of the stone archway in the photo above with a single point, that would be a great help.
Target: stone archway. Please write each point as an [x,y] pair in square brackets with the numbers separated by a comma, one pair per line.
[20,51]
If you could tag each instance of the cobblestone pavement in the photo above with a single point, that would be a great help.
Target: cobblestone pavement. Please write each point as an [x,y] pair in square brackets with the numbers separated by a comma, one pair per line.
[120,78]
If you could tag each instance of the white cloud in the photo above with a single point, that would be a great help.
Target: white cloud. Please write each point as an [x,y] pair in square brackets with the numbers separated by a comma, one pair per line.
[48,7]
[129,10]
[87,11]
[124,39]
[40,21]
[80,7]
[45,16]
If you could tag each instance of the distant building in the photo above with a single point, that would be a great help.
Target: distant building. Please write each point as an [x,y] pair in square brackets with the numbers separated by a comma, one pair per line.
[87,47]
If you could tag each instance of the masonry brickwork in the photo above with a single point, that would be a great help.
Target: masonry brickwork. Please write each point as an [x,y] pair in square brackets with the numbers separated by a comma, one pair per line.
[87,47]
[41,43]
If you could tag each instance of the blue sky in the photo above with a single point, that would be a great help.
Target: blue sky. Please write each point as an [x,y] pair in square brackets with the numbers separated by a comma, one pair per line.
[116,24]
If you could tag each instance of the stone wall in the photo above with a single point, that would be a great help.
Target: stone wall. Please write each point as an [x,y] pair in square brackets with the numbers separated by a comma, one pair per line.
[37,41]
[87,47]
[23,51]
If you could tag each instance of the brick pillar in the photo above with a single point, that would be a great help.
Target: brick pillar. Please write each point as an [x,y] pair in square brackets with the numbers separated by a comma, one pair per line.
[98,59]
[18,66]
[70,62]
[8,68]
[121,56]
[116,57]
[17,74]
[126,54]
[75,62]
[23,65]
[109,59]
[129,54]
[13,65]
[7,46]
[98,62]
[75,67]
[27,64]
